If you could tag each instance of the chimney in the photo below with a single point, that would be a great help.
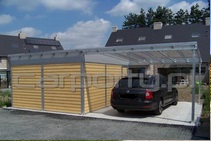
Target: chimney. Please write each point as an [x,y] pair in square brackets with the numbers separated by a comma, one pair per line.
[22,35]
[56,38]
[114,29]
[157,25]
[207,21]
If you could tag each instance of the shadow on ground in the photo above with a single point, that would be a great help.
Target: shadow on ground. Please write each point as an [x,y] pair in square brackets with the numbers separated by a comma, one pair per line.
[202,132]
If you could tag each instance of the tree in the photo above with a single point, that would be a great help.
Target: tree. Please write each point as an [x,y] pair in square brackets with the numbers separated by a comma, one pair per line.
[196,15]
[166,16]
[150,17]
[206,11]
[181,17]
[131,21]
[135,21]
[163,15]
[142,19]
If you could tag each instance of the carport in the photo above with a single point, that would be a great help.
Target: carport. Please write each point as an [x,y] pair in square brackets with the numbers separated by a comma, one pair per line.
[30,74]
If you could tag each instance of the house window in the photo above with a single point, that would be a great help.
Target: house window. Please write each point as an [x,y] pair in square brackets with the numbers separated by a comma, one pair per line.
[168,37]
[54,48]
[119,40]
[141,39]
[195,35]
[36,46]
[15,46]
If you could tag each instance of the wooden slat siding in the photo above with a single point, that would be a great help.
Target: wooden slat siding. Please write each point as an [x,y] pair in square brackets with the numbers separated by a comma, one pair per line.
[125,72]
[27,96]
[62,97]
[115,71]
[94,96]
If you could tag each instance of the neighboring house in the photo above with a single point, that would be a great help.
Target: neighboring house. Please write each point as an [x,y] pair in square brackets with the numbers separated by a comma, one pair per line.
[22,44]
[166,34]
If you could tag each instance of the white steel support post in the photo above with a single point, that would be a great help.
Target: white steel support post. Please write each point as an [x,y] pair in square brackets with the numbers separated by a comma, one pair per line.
[11,85]
[199,83]
[42,88]
[193,86]
[82,88]
[106,85]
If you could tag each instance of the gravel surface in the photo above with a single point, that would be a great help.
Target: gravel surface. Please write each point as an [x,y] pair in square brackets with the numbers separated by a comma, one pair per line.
[185,94]
[23,125]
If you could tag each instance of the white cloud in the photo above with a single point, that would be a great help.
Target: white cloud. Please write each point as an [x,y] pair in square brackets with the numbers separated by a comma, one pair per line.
[84,34]
[134,6]
[83,5]
[30,32]
[29,5]
[5,19]
[186,5]
[22,4]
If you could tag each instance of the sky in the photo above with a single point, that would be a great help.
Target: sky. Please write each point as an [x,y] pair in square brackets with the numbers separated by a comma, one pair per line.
[77,23]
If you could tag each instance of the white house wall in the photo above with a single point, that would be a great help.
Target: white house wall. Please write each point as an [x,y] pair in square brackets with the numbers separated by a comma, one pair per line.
[3,64]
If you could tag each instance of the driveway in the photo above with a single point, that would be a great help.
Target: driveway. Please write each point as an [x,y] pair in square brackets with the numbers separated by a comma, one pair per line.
[21,125]
[176,115]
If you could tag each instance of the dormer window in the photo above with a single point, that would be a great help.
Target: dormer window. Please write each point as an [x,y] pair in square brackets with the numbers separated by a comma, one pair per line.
[195,35]
[119,40]
[15,45]
[54,48]
[168,37]
[36,46]
[142,38]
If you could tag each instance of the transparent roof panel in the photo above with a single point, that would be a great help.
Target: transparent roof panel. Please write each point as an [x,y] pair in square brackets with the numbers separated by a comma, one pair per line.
[166,53]
[173,54]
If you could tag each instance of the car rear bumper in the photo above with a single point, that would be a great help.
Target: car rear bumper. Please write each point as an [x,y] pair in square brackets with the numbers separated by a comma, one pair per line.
[142,106]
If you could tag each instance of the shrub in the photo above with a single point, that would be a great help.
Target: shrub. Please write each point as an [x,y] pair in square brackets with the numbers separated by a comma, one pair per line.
[197,87]
[206,97]
[5,98]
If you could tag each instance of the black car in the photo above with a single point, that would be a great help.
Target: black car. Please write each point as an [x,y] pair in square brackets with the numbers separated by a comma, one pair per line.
[150,93]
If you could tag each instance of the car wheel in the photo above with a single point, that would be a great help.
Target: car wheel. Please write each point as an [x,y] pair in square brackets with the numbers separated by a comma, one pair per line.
[159,109]
[176,100]
[121,110]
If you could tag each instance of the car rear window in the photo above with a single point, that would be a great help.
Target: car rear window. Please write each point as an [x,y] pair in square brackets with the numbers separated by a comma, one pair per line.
[133,83]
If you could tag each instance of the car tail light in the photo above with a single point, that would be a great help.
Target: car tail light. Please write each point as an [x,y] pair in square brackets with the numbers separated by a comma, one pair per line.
[148,94]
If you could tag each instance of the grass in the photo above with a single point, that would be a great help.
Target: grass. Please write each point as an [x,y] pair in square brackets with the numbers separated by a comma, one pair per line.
[5,98]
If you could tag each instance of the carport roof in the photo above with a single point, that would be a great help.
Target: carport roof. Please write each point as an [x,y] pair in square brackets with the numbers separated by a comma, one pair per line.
[165,53]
